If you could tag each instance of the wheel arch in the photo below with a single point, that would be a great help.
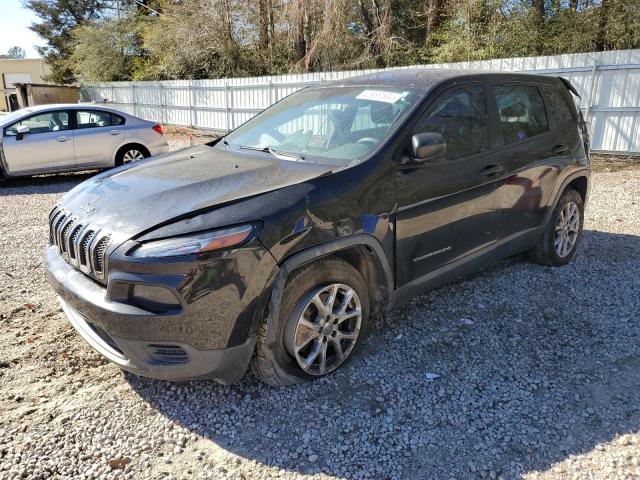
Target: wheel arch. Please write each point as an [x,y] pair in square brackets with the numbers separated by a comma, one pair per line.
[128,144]
[362,251]
[577,181]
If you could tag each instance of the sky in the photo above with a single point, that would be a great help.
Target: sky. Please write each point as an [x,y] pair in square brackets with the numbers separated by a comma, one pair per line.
[14,28]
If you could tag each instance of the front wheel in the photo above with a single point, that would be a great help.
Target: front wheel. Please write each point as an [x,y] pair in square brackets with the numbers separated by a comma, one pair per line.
[561,237]
[323,318]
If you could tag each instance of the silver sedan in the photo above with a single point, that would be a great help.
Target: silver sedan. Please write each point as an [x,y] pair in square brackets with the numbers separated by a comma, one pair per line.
[57,138]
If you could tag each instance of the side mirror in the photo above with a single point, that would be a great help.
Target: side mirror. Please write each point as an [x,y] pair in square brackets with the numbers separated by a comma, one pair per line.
[22,131]
[427,146]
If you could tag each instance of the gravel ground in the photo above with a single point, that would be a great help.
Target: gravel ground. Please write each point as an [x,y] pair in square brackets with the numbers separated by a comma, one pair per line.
[538,376]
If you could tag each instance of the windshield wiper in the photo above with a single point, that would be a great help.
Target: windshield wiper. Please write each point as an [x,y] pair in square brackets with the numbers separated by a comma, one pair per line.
[278,155]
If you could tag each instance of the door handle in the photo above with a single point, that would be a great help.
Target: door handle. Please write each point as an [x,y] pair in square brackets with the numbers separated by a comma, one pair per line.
[62,139]
[559,148]
[491,170]
[114,132]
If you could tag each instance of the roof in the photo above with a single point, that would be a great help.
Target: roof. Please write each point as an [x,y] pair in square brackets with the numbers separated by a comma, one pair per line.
[13,116]
[48,85]
[425,78]
[67,106]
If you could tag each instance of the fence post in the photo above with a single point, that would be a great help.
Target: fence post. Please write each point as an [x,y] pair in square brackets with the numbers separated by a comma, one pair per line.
[113,94]
[272,99]
[227,92]
[592,87]
[163,114]
[192,104]
[133,99]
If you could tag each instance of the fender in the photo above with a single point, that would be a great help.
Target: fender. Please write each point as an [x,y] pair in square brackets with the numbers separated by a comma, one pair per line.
[307,256]
[583,172]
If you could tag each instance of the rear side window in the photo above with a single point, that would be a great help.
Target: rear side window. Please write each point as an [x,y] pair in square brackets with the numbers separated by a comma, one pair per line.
[521,110]
[116,120]
[97,118]
[557,107]
[460,116]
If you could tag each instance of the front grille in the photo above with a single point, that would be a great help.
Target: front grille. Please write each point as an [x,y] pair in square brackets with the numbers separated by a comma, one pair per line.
[81,245]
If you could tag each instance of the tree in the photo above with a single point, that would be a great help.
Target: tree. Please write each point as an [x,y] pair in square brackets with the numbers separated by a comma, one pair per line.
[194,39]
[103,50]
[59,17]
[16,53]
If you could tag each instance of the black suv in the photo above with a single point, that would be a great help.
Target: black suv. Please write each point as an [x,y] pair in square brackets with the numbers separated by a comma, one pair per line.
[275,245]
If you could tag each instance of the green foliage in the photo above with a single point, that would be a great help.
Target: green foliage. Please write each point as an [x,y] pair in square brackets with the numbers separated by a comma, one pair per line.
[17,53]
[191,39]
[103,50]
[58,18]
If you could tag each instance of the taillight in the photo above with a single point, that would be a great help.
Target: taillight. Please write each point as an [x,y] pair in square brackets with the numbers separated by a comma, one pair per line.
[158,129]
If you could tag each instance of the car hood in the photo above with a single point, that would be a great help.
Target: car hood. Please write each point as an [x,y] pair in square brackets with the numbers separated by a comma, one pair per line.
[132,199]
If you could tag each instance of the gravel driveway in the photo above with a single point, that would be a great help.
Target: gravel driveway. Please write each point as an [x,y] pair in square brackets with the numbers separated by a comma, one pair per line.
[538,376]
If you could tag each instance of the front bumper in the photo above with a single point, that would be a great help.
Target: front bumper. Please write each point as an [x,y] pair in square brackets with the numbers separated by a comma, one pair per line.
[161,360]
[197,340]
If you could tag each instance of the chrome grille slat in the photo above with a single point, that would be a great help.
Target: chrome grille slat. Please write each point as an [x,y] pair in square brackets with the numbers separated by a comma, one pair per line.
[57,228]
[82,246]
[74,236]
[83,256]
[99,250]
[66,233]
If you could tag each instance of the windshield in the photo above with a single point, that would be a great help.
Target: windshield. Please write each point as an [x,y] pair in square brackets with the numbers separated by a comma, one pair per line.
[332,125]
[6,119]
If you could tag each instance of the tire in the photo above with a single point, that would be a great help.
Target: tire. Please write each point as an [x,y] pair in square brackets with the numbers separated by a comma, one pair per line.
[550,250]
[280,365]
[131,153]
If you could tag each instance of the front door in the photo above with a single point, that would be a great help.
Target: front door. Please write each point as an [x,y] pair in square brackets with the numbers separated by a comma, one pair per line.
[47,146]
[98,133]
[446,206]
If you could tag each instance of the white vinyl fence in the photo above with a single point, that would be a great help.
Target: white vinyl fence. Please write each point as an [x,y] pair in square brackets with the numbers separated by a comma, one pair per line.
[608,82]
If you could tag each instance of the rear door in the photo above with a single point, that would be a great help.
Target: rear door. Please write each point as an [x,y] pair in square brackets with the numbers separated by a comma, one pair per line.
[97,135]
[48,146]
[446,207]
[532,154]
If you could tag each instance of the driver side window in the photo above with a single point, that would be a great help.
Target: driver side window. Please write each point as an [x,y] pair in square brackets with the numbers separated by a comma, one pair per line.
[41,123]
[460,116]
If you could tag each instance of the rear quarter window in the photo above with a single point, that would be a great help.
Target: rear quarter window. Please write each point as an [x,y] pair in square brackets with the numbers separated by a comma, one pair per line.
[557,107]
[522,112]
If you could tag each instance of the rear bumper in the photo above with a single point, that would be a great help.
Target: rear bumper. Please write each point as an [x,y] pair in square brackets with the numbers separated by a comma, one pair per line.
[194,341]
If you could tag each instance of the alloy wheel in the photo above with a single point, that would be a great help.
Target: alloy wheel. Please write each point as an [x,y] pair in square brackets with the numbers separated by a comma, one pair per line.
[567,229]
[132,155]
[324,334]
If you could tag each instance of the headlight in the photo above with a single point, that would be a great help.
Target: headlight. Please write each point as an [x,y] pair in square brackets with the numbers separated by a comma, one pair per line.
[200,243]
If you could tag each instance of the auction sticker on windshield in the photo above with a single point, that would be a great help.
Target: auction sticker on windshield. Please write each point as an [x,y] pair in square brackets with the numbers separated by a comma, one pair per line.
[381,96]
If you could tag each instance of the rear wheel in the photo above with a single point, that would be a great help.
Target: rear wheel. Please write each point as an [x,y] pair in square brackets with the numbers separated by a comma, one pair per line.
[560,240]
[131,153]
[323,318]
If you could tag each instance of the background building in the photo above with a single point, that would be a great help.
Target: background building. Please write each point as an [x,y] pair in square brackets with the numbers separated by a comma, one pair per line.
[19,71]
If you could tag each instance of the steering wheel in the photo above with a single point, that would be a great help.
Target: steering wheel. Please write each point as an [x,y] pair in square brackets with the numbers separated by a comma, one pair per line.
[370,140]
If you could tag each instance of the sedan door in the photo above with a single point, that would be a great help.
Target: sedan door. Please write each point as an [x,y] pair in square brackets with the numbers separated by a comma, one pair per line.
[48,145]
[97,135]
[446,206]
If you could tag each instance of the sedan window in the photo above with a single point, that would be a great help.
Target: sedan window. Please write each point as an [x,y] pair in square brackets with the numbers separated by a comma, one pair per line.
[94,119]
[41,123]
